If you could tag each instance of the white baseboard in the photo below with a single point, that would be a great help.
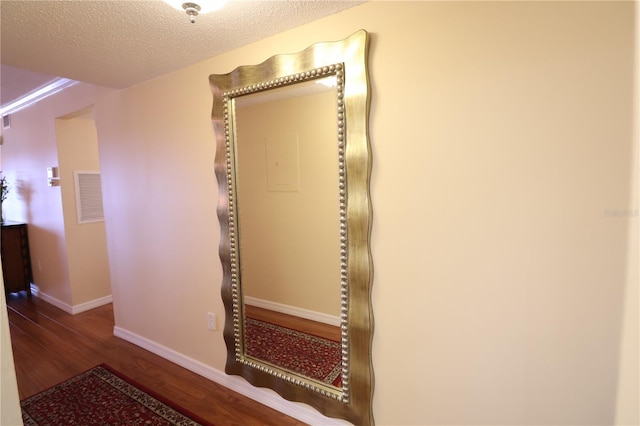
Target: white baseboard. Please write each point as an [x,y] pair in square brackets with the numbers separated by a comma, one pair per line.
[71,309]
[92,304]
[264,396]
[293,310]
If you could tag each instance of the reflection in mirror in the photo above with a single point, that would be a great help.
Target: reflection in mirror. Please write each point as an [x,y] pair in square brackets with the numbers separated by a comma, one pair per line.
[293,166]
[286,160]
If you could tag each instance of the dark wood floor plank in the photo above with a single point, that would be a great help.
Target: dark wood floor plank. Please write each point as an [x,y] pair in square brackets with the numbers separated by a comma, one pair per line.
[66,349]
[38,369]
[51,346]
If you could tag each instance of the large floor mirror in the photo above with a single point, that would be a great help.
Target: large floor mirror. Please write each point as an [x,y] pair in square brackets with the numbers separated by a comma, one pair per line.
[293,164]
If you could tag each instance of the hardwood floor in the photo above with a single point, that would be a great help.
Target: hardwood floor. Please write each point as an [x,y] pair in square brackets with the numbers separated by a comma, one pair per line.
[50,346]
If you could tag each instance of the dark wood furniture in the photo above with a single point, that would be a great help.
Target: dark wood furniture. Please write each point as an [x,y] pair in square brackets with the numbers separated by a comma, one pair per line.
[16,260]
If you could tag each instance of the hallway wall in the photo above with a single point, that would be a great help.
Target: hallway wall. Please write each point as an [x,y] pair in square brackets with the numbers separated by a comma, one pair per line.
[30,146]
[501,136]
[505,223]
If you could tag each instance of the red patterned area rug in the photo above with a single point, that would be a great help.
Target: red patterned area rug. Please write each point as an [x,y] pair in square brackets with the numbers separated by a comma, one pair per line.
[308,355]
[102,396]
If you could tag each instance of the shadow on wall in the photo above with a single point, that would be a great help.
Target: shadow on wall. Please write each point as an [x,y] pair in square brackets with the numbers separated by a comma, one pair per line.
[24,191]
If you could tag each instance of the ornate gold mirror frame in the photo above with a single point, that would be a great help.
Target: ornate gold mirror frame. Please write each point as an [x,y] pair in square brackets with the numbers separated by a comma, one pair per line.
[347,61]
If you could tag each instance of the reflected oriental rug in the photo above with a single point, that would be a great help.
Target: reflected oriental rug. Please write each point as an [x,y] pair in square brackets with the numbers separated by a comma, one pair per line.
[102,396]
[311,356]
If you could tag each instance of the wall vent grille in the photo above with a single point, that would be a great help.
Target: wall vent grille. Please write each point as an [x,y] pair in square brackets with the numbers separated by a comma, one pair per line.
[89,197]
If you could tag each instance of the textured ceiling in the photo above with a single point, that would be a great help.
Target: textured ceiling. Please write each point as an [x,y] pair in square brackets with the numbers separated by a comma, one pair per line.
[119,43]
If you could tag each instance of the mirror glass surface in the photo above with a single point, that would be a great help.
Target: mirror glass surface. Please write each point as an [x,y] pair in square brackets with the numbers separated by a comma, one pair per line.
[293,166]
[287,201]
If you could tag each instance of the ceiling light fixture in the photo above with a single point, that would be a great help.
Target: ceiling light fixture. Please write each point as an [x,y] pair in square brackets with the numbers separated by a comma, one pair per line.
[195,8]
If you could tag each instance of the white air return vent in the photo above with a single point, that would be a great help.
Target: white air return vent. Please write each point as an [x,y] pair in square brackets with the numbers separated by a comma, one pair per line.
[88,197]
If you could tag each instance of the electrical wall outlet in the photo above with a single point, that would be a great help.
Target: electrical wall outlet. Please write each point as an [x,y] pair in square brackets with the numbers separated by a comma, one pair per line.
[211,322]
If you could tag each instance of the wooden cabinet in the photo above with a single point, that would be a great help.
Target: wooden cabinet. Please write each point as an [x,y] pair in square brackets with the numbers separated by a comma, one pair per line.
[16,261]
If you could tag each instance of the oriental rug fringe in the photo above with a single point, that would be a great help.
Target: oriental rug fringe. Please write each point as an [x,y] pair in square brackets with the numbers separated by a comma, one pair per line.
[102,396]
[308,355]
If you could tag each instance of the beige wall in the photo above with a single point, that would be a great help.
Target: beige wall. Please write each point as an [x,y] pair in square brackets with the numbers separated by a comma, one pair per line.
[30,146]
[277,227]
[10,413]
[502,143]
[86,243]
[501,135]
[628,395]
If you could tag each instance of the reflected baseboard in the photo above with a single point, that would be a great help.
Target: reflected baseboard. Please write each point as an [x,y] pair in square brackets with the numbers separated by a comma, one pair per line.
[293,310]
